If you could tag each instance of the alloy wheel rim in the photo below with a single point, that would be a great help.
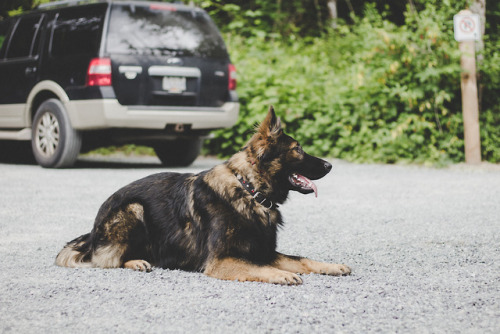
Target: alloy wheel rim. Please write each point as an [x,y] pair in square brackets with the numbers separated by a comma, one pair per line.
[47,134]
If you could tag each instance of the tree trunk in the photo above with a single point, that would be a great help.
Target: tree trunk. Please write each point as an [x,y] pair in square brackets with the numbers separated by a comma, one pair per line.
[332,7]
[479,7]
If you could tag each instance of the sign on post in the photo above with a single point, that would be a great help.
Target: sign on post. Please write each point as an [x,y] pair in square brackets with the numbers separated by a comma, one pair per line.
[467,27]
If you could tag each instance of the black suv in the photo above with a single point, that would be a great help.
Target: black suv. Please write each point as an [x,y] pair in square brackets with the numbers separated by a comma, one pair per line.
[76,75]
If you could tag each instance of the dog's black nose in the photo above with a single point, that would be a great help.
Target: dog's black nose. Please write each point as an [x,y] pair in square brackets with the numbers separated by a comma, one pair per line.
[328,166]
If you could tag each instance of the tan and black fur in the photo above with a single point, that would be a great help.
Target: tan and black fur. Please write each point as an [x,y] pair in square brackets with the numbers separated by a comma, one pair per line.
[208,222]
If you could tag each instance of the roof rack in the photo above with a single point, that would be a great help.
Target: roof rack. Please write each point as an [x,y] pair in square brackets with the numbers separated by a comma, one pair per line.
[66,3]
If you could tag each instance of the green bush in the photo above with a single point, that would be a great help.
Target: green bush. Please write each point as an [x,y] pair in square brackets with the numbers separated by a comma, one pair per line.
[490,101]
[370,92]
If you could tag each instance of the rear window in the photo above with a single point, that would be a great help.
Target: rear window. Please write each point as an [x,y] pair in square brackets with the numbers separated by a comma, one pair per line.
[163,30]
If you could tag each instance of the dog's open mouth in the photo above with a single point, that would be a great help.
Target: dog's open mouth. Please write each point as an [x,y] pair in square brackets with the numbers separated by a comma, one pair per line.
[303,184]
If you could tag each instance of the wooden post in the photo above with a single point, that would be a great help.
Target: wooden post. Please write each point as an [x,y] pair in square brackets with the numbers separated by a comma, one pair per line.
[470,108]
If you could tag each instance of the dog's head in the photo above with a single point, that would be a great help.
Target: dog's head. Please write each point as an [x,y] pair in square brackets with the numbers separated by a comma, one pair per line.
[282,159]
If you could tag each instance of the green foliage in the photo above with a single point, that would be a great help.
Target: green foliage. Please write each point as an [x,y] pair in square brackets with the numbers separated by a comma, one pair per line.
[263,17]
[16,11]
[368,92]
[489,90]
[10,8]
[129,149]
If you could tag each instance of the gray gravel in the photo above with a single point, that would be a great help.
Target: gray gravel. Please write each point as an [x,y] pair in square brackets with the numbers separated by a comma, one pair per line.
[423,243]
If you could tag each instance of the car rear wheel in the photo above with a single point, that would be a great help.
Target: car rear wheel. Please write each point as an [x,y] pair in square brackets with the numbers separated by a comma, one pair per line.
[54,142]
[179,152]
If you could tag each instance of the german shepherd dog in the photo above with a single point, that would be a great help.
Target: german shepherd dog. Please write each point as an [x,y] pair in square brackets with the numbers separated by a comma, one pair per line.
[222,222]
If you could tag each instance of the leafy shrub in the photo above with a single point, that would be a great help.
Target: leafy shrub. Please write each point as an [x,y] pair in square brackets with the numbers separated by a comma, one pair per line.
[489,116]
[370,92]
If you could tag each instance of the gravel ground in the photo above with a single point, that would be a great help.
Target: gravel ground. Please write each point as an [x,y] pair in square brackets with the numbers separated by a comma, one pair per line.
[423,243]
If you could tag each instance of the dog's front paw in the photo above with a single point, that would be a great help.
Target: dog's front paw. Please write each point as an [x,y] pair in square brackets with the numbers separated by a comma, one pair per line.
[335,269]
[284,278]
[139,265]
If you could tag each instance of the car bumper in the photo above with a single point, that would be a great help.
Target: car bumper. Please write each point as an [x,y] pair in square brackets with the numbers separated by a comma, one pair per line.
[109,113]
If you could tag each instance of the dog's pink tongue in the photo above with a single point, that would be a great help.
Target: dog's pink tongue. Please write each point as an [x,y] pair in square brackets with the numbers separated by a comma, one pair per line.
[308,183]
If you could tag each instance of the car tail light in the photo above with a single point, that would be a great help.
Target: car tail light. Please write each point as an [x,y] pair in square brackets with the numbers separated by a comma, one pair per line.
[99,72]
[231,85]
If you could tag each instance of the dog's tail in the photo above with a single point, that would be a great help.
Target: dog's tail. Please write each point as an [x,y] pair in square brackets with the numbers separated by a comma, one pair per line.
[76,254]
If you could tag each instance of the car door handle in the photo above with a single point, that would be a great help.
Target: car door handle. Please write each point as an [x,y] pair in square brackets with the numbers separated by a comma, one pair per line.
[30,70]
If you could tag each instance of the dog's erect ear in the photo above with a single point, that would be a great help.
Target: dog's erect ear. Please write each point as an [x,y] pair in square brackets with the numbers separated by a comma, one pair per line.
[266,136]
[271,126]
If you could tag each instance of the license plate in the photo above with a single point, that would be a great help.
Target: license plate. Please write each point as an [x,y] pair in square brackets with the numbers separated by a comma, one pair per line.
[175,85]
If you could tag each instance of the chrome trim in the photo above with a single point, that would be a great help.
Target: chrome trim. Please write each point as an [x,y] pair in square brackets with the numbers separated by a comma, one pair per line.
[125,69]
[175,71]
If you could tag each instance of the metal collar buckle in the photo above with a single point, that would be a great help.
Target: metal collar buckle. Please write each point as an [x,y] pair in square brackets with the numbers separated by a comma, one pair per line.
[262,200]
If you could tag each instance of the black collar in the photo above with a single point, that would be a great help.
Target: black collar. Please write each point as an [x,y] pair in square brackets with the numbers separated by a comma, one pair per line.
[257,195]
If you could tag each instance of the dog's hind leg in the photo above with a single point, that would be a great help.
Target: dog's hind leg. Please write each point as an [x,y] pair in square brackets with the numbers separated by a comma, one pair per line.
[119,241]
[240,270]
[123,240]
[302,265]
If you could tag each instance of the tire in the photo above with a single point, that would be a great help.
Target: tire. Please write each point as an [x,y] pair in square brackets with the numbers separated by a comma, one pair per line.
[179,152]
[54,142]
